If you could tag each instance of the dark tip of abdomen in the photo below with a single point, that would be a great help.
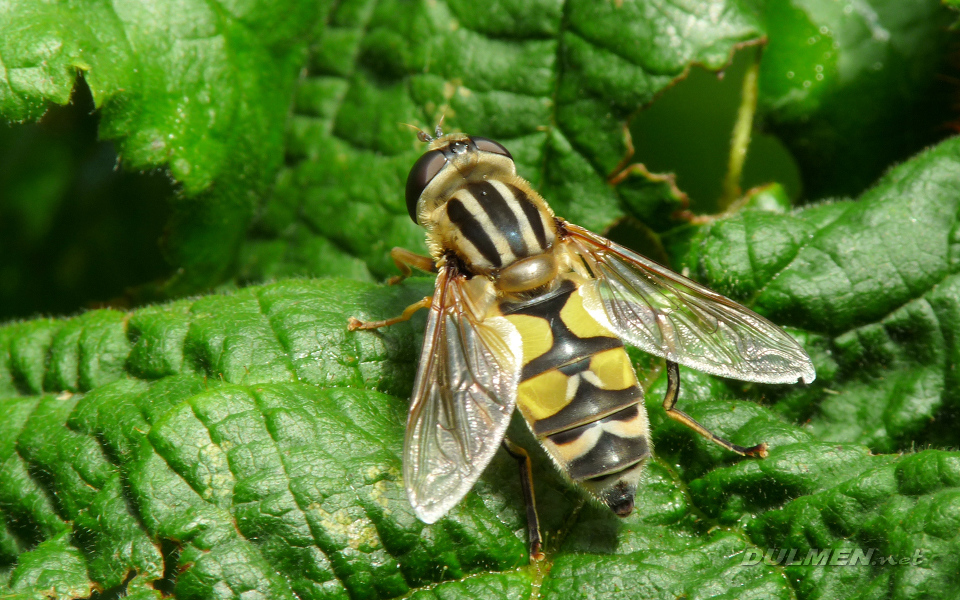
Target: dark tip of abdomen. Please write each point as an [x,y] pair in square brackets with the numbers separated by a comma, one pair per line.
[623,506]
[620,498]
[618,489]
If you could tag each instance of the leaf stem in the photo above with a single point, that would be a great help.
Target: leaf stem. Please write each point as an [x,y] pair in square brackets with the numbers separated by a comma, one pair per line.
[740,140]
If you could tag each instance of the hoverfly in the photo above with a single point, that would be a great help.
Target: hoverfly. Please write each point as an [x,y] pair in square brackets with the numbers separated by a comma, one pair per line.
[532,312]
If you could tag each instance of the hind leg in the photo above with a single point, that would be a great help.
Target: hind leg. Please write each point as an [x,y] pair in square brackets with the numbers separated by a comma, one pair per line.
[670,401]
[526,484]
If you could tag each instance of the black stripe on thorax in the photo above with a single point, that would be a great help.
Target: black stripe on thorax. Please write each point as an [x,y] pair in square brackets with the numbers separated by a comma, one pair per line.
[501,216]
[532,213]
[473,231]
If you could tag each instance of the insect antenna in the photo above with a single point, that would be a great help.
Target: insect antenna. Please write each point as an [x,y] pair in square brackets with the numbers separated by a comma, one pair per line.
[422,135]
[425,137]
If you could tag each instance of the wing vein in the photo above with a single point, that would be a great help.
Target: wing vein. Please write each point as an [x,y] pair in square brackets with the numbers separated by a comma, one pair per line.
[464,394]
[671,316]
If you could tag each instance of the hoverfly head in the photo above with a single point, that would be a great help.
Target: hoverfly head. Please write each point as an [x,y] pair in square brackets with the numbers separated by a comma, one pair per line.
[450,161]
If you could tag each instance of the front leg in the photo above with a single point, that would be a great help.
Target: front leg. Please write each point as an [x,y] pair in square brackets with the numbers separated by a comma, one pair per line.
[354,323]
[404,259]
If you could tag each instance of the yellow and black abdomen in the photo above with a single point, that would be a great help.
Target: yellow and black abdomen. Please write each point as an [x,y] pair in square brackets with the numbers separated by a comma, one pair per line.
[579,394]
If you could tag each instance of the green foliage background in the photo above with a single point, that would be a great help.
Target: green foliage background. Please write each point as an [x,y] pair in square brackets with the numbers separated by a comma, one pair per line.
[196,421]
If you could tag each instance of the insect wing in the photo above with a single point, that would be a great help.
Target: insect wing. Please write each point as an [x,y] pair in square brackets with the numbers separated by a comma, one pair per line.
[464,394]
[668,315]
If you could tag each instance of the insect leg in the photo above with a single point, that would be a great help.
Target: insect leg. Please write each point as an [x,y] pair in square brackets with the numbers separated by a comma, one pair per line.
[354,323]
[526,484]
[404,259]
[670,401]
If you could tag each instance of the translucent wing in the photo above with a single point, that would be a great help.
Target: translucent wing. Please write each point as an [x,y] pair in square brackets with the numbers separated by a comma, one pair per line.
[463,396]
[668,315]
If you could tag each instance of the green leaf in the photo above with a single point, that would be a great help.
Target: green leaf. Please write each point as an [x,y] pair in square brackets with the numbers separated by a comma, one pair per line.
[838,81]
[69,233]
[55,568]
[873,284]
[218,130]
[244,444]
[554,81]
[247,444]
[200,89]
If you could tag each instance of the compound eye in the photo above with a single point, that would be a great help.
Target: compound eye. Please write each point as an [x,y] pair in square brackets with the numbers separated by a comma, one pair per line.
[420,177]
[488,145]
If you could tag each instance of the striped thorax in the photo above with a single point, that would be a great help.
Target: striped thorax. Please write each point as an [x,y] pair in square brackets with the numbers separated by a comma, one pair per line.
[466,193]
